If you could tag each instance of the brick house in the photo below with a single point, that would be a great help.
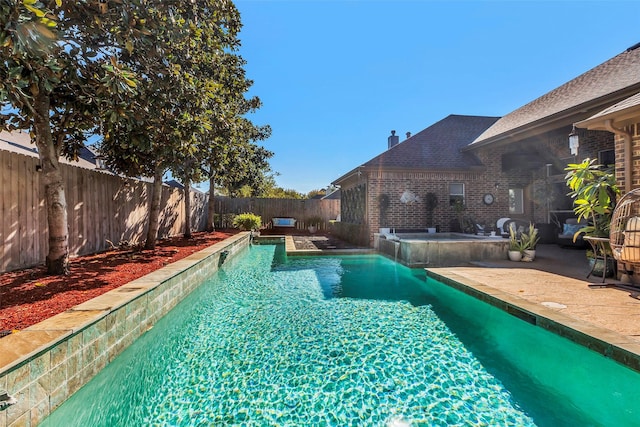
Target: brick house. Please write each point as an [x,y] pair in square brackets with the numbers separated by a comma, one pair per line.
[429,162]
[514,166]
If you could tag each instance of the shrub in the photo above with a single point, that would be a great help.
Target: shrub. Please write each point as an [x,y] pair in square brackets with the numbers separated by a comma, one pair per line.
[247,221]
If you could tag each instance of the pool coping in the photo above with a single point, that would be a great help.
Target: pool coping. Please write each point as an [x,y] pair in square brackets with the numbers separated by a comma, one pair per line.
[608,343]
[290,248]
[44,364]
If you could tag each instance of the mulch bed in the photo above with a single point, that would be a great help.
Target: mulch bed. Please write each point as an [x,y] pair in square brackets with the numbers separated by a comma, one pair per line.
[30,296]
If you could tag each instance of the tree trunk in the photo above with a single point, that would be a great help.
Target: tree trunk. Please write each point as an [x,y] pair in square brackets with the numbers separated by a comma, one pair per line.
[187,209]
[211,211]
[58,255]
[154,209]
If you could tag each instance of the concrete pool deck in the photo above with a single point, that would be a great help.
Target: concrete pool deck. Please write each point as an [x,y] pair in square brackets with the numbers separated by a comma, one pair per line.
[554,293]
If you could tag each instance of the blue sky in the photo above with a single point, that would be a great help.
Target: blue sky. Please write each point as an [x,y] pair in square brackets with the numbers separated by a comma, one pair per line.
[336,76]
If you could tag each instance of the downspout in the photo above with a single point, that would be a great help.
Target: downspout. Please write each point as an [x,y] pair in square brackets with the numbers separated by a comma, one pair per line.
[628,161]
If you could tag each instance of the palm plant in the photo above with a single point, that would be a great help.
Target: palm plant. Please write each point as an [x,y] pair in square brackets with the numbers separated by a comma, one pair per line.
[594,192]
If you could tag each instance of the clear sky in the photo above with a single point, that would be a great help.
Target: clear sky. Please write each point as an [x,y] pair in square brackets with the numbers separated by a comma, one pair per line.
[336,76]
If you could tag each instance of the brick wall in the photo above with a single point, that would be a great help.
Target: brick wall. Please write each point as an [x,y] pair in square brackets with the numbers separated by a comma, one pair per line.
[495,177]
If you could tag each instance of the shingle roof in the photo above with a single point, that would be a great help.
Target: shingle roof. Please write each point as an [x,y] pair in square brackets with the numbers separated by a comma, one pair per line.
[615,75]
[625,104]
[437,147]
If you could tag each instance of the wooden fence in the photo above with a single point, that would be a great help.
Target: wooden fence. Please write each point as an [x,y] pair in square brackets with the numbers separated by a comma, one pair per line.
[301,210]
[105,208]
[102,208]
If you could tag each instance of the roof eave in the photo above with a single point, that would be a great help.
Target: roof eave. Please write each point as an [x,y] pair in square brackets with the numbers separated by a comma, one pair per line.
[622,118]
[347,175]
[558,120]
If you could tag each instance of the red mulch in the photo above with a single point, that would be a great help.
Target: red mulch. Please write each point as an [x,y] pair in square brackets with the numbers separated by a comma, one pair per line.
[30,296]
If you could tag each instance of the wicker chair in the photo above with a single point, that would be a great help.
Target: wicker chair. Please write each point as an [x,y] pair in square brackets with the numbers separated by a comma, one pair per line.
[624,234]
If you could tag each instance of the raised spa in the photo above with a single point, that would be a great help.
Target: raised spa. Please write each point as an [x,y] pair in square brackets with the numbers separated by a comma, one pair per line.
[440,249]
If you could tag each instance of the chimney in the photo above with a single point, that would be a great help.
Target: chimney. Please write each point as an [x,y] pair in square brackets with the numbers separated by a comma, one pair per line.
[394,139]
[408,135]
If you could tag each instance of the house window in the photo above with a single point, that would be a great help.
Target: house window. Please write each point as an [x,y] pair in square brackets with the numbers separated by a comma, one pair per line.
[456,194]
[607,157]
[516,201]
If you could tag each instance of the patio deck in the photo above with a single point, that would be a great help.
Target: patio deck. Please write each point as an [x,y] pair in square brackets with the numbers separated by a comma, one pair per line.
[554,293]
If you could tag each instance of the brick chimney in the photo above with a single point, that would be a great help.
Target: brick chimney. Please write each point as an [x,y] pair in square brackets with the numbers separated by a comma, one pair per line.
[394,139]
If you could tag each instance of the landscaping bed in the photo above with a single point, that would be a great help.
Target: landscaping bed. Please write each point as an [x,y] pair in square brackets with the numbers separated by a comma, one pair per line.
[30,296]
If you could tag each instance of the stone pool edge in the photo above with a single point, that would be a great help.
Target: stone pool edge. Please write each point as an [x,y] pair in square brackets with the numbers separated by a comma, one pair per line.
[44,364]
[610,344]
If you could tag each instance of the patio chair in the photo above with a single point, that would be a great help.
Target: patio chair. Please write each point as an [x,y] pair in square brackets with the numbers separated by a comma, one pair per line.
[569,229]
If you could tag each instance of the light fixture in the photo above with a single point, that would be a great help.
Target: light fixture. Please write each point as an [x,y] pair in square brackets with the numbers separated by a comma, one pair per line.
[100,162]
[574,142]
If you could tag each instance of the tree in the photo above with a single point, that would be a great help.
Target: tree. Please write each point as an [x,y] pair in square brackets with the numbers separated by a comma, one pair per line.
[232,135]
[169,118]
[58,67]
[313,193]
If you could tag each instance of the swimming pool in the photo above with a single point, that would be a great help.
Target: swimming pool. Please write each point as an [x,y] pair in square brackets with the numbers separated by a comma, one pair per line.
[354,340]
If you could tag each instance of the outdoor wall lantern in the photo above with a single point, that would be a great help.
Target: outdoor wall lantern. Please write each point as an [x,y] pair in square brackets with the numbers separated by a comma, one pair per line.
[574,143]
[100,162]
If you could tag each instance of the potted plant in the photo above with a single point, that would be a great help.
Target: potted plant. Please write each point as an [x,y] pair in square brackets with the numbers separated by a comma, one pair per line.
[248,221]
[529,241]
[594,190]
[313,222]
[430,203]
[515,246]
[383,203]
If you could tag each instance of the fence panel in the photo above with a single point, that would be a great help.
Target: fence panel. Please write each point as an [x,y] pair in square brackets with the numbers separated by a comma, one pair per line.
[102,209]
[301,210]
[105,209]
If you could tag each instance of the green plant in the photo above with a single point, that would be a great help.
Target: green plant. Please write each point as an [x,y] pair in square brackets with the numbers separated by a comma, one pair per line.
[383,203]
[247,221]
[529,240]
[515,244]
[594,192]
[430,203]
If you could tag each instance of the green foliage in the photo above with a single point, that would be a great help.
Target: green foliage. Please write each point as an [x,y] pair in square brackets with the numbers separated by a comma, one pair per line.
[247,221]
[529,239]
[60,67]
[384,202]
[594,192]
[313,193]
[515,244]
[430,203]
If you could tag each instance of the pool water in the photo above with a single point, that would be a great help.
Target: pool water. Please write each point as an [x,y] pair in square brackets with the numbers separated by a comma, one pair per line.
[342,341]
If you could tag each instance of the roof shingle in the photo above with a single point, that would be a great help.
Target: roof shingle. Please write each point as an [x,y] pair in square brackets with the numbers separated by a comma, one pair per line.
[619,73]
[437,147]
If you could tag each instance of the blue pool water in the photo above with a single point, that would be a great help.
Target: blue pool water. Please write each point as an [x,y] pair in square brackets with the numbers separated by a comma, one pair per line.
[347,341]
